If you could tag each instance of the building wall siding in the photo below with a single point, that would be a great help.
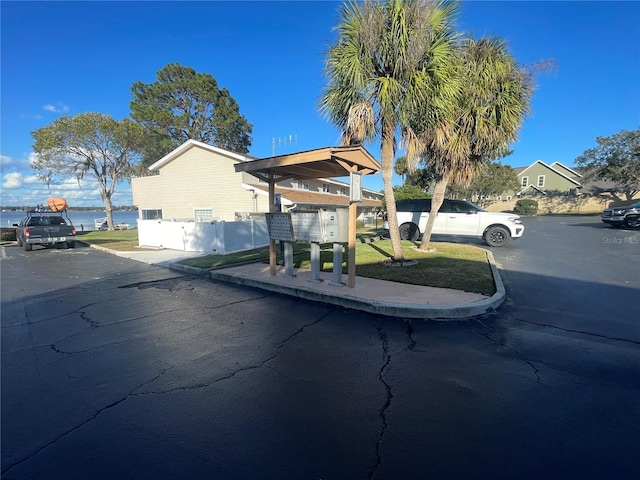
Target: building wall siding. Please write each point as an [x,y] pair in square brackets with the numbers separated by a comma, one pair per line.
[197,179]
[552,180]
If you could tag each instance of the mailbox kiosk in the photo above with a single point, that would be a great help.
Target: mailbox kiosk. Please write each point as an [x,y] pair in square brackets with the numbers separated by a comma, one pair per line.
[316,227]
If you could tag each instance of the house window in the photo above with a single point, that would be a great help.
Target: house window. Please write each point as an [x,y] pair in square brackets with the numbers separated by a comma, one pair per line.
[326,188]
[203,214]
[541,180]
[303,184]
[342,191]
[525,181]
[151,213]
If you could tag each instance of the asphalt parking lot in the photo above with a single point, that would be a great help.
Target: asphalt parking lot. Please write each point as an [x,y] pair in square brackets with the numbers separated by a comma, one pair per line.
[113,368]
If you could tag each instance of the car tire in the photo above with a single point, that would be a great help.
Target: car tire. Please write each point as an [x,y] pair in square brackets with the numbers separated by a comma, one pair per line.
[409,231]
[27,246]
[71,244]
[497,236]
[632,221]
[18,241]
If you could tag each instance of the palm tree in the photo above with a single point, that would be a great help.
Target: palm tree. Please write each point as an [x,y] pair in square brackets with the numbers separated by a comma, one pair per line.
[390,59]
[484,119]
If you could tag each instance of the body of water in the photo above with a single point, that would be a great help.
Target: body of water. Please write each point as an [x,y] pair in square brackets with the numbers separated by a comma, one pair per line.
[80,219]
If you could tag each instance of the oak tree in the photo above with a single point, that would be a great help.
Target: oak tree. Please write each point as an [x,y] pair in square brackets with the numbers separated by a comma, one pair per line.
[89,144]
[617,159]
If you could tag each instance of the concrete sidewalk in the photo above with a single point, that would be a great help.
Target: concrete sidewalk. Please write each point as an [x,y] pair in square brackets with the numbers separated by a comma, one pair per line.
[369,295]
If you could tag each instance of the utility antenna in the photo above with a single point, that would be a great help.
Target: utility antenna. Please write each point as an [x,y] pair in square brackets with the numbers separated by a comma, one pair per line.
[283,141]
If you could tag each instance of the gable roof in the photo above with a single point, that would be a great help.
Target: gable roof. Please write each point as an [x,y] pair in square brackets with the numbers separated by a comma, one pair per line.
[188,145]
[532,186]
[311,164]
[540,162]
[560,166]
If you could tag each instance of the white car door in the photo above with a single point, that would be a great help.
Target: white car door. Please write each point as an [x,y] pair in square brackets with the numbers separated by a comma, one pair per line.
[460,219]
[440,224]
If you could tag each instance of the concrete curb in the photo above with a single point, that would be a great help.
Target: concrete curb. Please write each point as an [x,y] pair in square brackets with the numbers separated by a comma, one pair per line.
[440,312]
[392,309]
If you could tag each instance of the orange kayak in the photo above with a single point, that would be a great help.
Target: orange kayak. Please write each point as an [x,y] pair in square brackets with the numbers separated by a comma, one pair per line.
[57,204]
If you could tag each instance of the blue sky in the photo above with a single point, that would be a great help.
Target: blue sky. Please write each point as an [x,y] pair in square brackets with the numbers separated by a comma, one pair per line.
[73,57]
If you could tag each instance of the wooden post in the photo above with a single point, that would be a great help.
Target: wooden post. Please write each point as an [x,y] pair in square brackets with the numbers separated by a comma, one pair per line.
[351,258]
[272,208]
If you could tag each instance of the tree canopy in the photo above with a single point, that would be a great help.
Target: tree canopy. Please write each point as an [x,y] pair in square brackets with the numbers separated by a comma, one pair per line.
[408,192]
[617,159]
[89,144]
[421,178]
[183,104]
[492,179]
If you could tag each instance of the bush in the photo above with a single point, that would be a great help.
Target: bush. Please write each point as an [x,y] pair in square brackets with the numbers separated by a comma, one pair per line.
[8,234]
[526,207]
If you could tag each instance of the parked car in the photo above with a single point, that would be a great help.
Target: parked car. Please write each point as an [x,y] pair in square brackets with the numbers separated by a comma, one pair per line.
[457,217]
[45,228]
[625,216]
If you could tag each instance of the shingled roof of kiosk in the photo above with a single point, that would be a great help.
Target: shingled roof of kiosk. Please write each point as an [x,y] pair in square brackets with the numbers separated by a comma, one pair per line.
[324,162]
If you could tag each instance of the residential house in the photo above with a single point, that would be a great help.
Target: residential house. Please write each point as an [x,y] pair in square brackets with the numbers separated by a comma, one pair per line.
[198,182]
[540,178]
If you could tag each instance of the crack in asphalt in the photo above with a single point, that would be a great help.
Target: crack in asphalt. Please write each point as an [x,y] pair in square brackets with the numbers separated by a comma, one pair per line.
[536,370]
[410,332]
[171,284]
[132,393]
[62,435]
[569,330]
[387,355]
[232,374]
[94,324]
[387,403]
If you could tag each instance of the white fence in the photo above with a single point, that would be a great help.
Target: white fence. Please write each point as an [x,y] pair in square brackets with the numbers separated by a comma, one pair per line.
[215,237]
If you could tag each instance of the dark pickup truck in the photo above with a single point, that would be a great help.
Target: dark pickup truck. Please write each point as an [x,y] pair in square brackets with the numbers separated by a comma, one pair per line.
[45,228]
[625,216]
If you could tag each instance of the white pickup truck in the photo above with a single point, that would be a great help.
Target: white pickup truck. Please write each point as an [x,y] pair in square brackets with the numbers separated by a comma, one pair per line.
[457,217]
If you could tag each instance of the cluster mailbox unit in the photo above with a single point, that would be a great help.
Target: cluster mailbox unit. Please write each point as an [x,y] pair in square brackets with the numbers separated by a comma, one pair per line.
[316,227]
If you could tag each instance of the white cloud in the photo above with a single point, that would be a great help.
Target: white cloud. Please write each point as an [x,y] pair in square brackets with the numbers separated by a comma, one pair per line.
[59,107]
[12,180]
[32,179]
[23,187]
[5,160]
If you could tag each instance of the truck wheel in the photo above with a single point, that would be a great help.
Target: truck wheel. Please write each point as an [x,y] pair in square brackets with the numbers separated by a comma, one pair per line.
[409,231]
[632,221]
[71,244]
[497,236]
[27,246]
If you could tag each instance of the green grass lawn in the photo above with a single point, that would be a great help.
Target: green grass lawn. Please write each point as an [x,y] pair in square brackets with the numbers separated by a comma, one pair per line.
[121,240]
[459,266]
